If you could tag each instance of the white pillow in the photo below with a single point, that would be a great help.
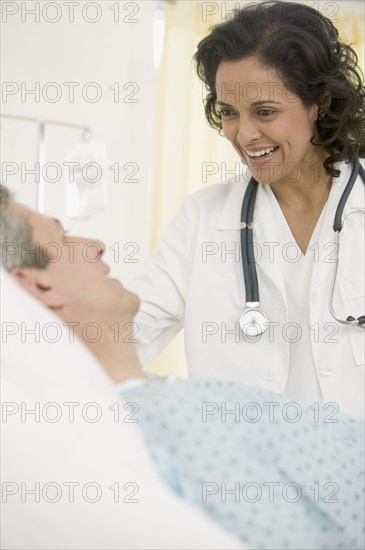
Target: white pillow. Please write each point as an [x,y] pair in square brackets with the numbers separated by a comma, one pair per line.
[48,453]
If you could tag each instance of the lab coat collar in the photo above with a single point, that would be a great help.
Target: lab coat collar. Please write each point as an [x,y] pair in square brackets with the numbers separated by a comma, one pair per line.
[230,219]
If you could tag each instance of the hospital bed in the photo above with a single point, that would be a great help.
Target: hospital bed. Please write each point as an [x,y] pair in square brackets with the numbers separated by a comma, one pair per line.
[75,473]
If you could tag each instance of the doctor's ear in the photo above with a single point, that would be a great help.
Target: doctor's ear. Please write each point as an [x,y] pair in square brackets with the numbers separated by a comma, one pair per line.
[38,283]
[323,104]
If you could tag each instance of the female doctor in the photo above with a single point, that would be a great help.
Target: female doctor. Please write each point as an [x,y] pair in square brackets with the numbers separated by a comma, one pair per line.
[253,271]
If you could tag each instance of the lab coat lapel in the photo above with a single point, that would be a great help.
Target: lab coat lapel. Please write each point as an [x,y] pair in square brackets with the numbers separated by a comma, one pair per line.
[323,265]
[265,235]
[264,232]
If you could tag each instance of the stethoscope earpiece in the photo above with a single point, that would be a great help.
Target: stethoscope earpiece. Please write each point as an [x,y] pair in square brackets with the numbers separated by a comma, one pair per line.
[360,321]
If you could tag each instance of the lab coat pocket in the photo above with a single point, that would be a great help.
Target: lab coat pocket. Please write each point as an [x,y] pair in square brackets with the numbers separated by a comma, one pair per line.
[353,300]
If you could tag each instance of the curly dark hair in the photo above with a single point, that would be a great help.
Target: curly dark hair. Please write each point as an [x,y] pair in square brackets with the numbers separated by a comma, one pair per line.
[303,47]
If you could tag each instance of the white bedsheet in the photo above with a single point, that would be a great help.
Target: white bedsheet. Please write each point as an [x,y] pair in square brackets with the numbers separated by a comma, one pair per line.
[50,453]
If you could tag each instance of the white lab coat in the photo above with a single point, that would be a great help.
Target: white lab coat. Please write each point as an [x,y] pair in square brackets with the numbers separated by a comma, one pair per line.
[194,281]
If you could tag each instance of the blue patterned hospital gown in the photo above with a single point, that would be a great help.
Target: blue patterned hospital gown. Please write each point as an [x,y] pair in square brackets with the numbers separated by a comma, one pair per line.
[276,473]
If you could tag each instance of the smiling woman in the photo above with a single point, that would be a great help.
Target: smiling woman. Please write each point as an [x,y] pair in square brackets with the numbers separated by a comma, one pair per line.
[196,156]
[294,114]
[309,63]
[262,133]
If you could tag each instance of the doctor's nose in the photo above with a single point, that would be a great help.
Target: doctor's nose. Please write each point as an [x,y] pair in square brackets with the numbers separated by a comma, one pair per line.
[247,131]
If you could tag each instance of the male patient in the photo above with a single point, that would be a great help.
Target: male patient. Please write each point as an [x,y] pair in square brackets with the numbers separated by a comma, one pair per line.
[278,474]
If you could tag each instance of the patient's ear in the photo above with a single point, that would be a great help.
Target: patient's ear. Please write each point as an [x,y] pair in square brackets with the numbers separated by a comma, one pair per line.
[39,284]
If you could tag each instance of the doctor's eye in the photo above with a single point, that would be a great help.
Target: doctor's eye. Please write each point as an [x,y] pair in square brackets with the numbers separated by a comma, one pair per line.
[223,113]
[265,112]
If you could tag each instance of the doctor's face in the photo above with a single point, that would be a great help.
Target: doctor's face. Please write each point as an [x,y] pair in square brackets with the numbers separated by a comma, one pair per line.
[268,126]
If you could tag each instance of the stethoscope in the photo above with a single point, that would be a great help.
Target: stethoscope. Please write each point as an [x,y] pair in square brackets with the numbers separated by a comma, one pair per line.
[254,320]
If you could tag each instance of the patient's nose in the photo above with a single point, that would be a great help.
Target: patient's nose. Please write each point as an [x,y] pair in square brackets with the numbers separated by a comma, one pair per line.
[93,248]
[100,246]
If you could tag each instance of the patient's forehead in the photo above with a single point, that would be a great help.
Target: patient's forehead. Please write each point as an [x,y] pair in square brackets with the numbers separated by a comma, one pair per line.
[24,211]
[44,228]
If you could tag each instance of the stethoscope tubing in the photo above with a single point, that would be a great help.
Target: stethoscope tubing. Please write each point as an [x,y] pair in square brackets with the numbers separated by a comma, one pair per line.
[248,265]
[250,249]
[337,224]
[350,320]
[247,243]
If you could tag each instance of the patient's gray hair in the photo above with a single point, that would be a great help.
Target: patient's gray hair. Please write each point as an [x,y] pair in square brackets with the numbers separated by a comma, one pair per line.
[16,237]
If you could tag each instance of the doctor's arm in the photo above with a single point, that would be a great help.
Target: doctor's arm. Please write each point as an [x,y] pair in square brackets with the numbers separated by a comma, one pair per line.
[163,287]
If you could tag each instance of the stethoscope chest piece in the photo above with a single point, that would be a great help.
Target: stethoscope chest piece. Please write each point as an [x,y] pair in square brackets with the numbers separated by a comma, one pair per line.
[253,321]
